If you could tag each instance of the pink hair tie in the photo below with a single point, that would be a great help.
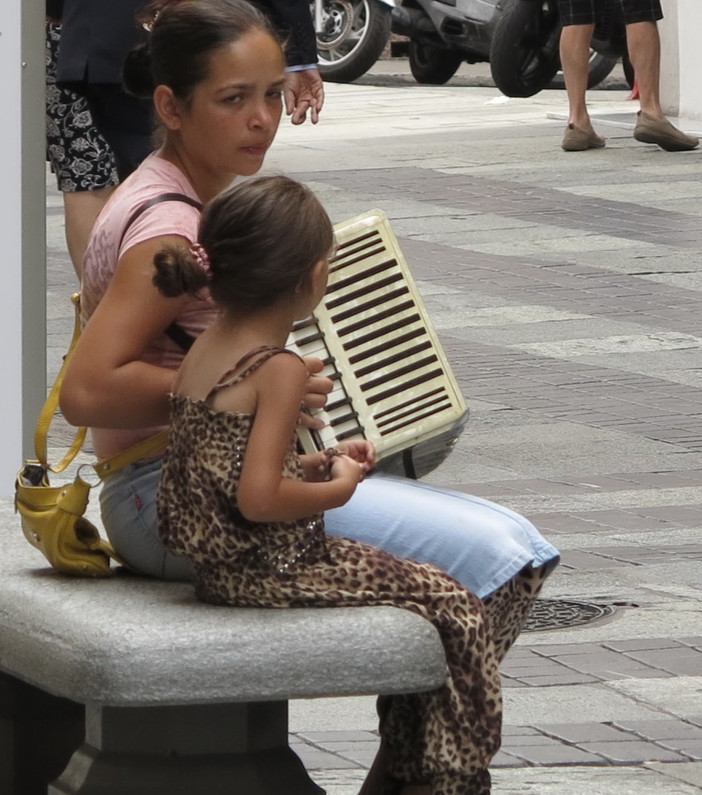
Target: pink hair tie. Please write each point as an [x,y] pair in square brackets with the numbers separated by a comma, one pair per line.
[198,251]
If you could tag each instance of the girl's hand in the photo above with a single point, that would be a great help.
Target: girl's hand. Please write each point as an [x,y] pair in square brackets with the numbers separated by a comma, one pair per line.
[361,450]
[315,466]
[316,390]
[343,466]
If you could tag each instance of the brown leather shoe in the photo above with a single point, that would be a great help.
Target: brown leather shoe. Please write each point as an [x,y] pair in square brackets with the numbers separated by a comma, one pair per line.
[577,140]
[661,132]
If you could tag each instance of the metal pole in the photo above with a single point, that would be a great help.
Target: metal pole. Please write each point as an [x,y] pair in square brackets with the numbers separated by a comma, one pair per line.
[22,231]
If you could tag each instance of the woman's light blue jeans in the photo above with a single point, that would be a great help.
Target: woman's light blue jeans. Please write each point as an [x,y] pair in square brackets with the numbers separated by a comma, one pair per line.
[479,543]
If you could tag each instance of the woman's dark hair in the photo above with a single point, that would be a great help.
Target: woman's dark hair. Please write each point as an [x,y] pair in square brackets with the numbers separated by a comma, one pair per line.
[261,239]
[183,36]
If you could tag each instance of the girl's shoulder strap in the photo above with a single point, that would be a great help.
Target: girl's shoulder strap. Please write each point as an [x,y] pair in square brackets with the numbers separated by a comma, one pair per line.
[255,358]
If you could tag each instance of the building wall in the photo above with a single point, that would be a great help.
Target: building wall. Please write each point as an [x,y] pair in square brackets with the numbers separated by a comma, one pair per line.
[689,14]
[670,58]
[681,58]
[22,222]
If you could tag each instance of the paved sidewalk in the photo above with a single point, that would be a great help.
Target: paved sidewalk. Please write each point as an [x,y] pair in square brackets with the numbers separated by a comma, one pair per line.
[567,289]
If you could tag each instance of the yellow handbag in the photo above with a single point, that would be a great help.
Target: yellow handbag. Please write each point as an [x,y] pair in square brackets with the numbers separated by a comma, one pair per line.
[52,517]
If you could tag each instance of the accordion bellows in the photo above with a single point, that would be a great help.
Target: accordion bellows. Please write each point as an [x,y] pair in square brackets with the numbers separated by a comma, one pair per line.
[392,382]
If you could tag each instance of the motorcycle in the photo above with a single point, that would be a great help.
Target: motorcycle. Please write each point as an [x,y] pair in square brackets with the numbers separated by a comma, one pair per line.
[519,38]
[351,35]
[524,54]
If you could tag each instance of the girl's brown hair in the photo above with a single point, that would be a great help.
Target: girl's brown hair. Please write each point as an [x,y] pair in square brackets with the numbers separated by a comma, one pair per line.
[261,239]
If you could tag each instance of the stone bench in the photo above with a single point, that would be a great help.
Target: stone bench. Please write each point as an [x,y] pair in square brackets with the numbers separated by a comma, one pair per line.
[146,690]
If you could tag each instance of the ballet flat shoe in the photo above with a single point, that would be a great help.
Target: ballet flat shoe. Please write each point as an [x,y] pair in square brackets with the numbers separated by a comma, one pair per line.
[578,140]
[661,132]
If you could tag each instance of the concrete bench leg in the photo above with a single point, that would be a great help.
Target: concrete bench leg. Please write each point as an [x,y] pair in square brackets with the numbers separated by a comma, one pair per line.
[38,734]
[237,749]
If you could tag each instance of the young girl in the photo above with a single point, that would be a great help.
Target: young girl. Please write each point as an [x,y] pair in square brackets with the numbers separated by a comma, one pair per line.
[245,509]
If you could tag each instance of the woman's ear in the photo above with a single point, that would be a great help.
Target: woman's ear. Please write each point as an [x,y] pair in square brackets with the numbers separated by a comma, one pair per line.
[167,107]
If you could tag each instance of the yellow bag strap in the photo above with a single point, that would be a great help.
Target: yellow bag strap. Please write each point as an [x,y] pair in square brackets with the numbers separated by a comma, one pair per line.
[153,444]
[51,404]
[109,465]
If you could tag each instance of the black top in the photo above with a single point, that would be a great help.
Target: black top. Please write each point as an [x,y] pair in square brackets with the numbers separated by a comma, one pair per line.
[97,35]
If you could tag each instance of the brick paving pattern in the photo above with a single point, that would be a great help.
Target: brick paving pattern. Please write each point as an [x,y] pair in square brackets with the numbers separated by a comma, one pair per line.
[567,381]
[568,296]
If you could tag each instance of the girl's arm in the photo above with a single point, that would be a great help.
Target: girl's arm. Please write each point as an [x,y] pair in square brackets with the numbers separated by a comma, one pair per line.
[106,384]
[264,494]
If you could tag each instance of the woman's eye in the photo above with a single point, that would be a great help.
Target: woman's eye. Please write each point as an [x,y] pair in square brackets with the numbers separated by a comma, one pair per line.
[234,98]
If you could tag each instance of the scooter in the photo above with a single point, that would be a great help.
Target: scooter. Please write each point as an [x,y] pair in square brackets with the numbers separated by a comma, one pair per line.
[518,37]
[351,35]
[524,54]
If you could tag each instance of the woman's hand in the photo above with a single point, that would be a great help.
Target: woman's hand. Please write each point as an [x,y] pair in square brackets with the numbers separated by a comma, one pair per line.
[304,91]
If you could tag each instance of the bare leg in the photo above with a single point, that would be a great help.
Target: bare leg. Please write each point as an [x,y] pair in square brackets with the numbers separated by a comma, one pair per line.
[81,208]
[575,54]
[644,45]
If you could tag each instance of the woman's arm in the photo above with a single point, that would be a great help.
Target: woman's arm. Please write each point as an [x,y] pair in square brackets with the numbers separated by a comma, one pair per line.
[106,384]
[264,494]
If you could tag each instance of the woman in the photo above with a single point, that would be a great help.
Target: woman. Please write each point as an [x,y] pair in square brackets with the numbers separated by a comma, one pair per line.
[79,156]
[216,78]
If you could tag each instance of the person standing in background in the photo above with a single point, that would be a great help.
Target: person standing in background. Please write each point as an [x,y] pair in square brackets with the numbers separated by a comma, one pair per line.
[643,43]
[80,158]
[98,34]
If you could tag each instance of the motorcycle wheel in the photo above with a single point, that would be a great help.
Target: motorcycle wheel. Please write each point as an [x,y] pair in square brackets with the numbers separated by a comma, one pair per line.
[524,48]
[354,35]
[599,67]
[431,65]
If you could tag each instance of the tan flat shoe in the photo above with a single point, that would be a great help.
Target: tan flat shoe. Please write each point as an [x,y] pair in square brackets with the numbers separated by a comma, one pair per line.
[661,132]
[577,140]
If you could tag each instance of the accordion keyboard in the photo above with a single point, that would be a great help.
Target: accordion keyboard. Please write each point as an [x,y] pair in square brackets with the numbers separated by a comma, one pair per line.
[392,382]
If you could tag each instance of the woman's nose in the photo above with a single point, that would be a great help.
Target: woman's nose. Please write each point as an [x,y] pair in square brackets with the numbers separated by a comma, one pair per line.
[261,115]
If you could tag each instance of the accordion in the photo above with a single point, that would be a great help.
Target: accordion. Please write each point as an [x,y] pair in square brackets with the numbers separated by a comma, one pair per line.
[392,382]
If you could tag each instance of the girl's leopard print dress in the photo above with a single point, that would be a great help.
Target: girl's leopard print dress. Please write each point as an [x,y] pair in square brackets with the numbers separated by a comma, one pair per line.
[446,737]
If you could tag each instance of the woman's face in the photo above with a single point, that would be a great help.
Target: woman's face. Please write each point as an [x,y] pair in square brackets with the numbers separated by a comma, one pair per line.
[234,112]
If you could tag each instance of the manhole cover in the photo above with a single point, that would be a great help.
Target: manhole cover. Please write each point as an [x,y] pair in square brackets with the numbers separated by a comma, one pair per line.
[559,613]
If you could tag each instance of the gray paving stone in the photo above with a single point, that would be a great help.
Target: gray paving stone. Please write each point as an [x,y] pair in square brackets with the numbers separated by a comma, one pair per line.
[624,780]
[638,644]
[623,753]
[691,748]
[660,730]
[556,754]
[584,732]
[686,662]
